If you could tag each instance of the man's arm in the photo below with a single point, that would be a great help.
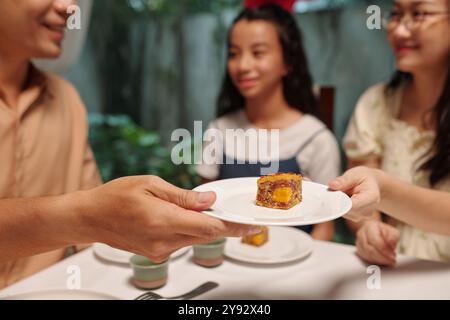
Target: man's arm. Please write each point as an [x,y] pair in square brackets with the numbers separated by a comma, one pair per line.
[37,225]
[145,215]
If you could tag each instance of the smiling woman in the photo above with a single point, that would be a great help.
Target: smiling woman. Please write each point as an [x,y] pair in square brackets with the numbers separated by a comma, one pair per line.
[402,127]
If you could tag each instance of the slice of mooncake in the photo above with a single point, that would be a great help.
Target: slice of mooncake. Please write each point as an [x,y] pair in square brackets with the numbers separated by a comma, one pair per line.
[258,239]
[279,191]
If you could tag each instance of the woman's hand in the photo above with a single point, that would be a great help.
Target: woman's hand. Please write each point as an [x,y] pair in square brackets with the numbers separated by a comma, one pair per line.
[376,243]
[363,186]
[148,216]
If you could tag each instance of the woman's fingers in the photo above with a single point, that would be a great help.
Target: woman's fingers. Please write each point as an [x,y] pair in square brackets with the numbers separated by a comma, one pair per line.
[391,235]
[372,247]
[363,192]
[362,186]
[372,255]
[375,238]
[344,183]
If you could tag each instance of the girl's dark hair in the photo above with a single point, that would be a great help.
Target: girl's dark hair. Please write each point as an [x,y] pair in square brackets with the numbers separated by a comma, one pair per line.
[438,162]
[297,84]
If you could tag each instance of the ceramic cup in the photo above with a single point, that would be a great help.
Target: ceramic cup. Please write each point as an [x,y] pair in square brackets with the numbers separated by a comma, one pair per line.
[148,274]
[210,254]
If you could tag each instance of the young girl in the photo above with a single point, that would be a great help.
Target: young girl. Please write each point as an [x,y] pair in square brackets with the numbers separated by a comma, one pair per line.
[267,86]
[403,127]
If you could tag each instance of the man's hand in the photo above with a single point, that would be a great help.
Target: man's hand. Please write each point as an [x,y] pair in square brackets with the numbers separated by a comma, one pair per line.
[148,216]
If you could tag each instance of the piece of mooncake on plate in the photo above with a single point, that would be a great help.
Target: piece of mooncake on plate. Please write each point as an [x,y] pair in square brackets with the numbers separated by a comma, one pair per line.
[258,239]
[279,191]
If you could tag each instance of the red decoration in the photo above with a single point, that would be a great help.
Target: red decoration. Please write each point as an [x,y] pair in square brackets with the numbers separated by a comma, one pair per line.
[286,4]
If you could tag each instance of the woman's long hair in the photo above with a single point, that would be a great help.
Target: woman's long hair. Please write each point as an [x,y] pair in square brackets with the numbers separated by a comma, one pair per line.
[438,162]
[297,84]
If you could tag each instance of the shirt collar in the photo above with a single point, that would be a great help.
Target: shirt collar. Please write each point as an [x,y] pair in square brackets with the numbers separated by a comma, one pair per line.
[37,87]
[38,79]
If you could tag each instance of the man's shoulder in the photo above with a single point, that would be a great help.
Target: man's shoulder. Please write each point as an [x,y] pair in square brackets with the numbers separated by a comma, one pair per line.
[60,85]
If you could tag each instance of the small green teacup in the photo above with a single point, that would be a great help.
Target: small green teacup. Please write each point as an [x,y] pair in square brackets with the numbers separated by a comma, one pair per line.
[148,274]
[209,254]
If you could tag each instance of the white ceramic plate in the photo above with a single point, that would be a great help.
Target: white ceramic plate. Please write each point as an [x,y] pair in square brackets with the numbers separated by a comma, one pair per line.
[285,245]
[123,257]
[236,203]
[61,294]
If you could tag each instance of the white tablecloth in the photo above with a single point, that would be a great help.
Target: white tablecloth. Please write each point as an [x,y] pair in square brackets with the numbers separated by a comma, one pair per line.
[332,271]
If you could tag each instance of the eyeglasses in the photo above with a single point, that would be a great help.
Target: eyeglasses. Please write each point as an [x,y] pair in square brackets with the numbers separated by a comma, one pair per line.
[412,20]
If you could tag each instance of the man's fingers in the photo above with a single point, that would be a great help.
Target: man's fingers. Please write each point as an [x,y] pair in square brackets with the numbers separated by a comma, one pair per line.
[187,199]
[200,225]
[180,241]
[238,230]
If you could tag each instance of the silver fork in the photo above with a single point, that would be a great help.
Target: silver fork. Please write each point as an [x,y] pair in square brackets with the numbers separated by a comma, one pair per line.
[188,295]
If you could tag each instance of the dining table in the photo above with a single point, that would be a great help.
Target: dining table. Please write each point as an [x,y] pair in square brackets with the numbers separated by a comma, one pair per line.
[330,271]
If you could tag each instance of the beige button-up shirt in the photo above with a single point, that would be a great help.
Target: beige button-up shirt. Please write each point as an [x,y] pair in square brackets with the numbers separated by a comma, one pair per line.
[44,151]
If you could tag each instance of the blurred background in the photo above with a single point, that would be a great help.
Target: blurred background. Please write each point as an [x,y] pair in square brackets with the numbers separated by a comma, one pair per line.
[146,67]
